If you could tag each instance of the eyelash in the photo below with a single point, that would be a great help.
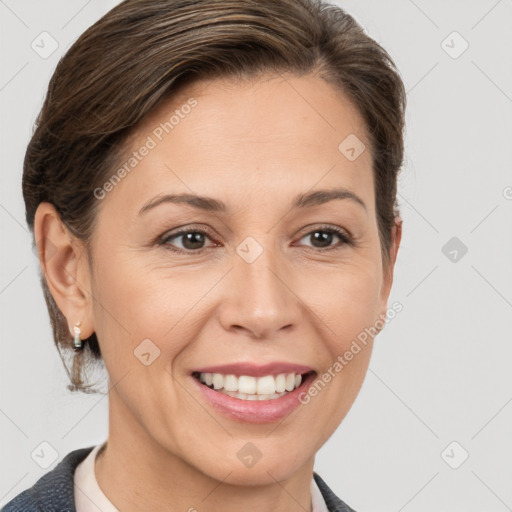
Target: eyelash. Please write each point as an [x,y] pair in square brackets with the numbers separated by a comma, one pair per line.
[344,237]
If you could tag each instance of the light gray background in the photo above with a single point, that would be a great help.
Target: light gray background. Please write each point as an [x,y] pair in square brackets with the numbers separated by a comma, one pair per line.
[441,370]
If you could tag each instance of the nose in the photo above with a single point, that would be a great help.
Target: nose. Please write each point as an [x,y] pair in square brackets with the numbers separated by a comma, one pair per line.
[259,299]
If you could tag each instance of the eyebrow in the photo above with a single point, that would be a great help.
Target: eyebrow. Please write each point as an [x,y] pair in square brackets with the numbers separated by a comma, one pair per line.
[210,204]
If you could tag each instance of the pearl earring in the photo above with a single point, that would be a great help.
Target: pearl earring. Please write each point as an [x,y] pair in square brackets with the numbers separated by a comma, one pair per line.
[77,341]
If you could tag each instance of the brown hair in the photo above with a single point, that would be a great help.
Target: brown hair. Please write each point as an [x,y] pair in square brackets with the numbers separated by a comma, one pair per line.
[138,54]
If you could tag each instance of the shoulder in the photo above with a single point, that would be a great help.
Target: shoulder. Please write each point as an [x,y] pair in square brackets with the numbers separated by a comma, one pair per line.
[53,491]
[334,504]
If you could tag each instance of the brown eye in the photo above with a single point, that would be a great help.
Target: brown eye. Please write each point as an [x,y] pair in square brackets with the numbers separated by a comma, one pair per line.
[191,240]
[322,238]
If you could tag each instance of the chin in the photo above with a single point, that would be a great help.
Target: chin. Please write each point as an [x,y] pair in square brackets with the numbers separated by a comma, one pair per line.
[250,466]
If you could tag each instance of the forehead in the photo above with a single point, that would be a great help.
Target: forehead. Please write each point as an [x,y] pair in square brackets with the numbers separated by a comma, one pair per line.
[257,136]
[265,108]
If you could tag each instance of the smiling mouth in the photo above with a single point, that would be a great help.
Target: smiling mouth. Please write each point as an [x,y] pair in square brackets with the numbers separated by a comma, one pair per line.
[246,387]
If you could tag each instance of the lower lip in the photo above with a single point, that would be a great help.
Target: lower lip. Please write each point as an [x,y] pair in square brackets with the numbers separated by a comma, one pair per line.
[254,411]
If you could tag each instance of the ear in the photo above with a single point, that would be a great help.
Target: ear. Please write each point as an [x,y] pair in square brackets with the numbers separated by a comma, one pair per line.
[396,237]
[64,262]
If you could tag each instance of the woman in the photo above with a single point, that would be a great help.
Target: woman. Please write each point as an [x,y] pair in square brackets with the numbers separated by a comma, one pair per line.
[212,188]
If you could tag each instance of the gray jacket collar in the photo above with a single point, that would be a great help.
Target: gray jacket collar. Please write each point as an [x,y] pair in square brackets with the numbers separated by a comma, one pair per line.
[54,491]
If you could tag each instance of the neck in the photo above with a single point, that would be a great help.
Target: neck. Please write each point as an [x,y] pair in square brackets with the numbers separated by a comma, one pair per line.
[136,473]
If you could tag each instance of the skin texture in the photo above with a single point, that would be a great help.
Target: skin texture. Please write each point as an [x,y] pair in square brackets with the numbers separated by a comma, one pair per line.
[255,145]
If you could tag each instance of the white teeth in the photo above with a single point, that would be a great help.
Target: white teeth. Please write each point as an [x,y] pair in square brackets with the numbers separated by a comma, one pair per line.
[243,396]
[230,383]
[218,381]
[280,382]
[207,378]
[266,385]
[246,387]
[290,382]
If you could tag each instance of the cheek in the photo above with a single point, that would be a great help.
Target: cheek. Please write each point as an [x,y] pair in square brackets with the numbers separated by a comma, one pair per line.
[345,299]
[349,309]
[348,304]
[133,304]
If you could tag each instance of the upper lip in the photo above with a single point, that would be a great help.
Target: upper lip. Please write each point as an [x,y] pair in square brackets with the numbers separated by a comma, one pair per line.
[255,370]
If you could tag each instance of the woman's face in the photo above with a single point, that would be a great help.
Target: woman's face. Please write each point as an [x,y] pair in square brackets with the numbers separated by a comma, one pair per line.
[251,283]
